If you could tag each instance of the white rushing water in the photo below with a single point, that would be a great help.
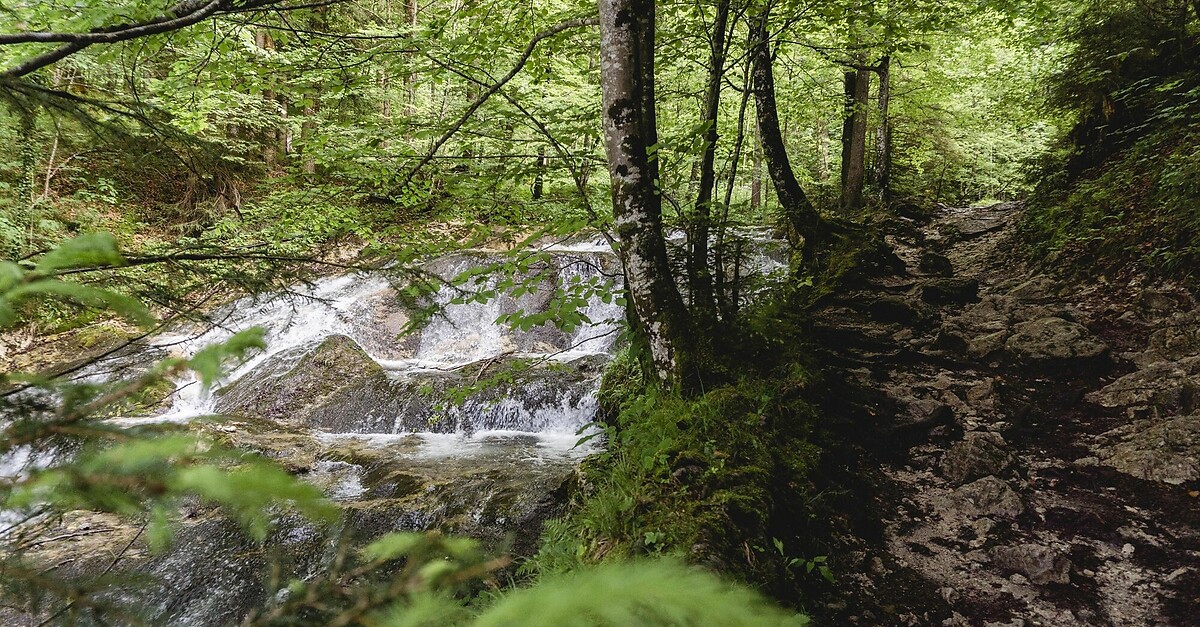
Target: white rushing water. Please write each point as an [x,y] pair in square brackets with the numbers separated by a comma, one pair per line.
[364,307]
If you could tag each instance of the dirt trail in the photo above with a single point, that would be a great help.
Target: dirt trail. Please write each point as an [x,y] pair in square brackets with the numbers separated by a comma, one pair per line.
[1038,456]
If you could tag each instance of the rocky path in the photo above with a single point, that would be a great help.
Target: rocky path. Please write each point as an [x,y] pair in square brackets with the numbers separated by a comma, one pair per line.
[1038,461]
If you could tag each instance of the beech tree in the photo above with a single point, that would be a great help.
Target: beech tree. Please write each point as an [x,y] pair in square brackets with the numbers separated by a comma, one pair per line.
[631,139]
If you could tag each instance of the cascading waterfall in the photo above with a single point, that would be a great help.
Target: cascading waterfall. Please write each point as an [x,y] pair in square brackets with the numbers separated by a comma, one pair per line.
[393,425]
[463,339]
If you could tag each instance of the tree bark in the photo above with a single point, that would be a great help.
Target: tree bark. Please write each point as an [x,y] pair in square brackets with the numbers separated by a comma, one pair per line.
[756,199]
[699,276]
[883,135]
[539,176]
[822,136]
[270,139]
[847,123]
[797,208]
[854,140]
[630,130]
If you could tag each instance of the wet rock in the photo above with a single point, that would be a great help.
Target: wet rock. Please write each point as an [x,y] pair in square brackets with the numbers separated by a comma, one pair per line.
[988,496]
[950,291]
[283,388]
[934,263]
[979,454]
[1054,341]
[1040,564]
[1164,450]
[1170,387]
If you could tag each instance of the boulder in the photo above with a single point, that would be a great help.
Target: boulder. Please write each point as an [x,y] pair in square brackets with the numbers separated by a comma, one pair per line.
[1053,341]
[286,388]
[1168,387]
[979,454]
[1163,450]
[988,496]
[1177,337]
[900,310]
[1040,564]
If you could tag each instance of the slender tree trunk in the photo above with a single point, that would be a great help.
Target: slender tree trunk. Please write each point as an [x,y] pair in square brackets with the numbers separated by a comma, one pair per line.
[539,177]
[306,133]
[699,276]
[798,210]
[630,129]
[728,306]
[29,159]
[854,147]
[270,140]
[847,123]
[410,78]
[756,199]
[883,137]
[822,137]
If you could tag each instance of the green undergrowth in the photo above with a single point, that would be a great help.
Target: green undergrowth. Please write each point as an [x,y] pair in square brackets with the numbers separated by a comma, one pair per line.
[1123,191]
[1139,209]
[720,480]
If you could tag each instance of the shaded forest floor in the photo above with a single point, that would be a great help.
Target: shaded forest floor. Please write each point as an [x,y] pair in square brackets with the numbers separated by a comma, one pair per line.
[1036,452]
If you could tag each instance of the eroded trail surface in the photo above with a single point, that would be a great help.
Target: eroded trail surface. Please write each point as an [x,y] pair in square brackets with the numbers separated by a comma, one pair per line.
[1038,461]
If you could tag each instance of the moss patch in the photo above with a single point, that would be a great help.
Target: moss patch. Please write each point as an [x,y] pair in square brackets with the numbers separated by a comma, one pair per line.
[717,480]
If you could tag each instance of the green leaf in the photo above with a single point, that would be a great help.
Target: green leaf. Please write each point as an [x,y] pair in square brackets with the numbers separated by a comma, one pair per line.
[392,546]
[85,295]
[85,251]
[209,361]
[645,594]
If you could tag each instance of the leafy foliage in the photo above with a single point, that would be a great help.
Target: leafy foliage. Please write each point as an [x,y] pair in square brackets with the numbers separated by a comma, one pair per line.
[1122,189]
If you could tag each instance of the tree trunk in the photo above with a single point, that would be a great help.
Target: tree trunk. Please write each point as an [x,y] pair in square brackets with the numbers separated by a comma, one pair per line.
[847,123]
[307,128]
[756,199]
[822,137]
[883,137]
[798,210]
[270,140]
[854,146]
[630,130]
[410,78]
[699,277]
[539,177]
[727,307]
[29,159]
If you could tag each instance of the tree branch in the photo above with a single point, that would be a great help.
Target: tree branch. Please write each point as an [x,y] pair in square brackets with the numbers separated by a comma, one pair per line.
[495,87]
[182,15]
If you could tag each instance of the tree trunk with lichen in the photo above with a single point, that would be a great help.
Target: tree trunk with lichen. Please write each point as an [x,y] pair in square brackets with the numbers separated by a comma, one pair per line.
[883,136]
[627,86]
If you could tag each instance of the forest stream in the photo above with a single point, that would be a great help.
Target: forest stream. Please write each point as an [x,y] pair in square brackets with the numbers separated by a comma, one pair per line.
[612,313]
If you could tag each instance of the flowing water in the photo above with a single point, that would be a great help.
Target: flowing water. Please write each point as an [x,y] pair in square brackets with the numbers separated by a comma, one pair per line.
[403,428]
